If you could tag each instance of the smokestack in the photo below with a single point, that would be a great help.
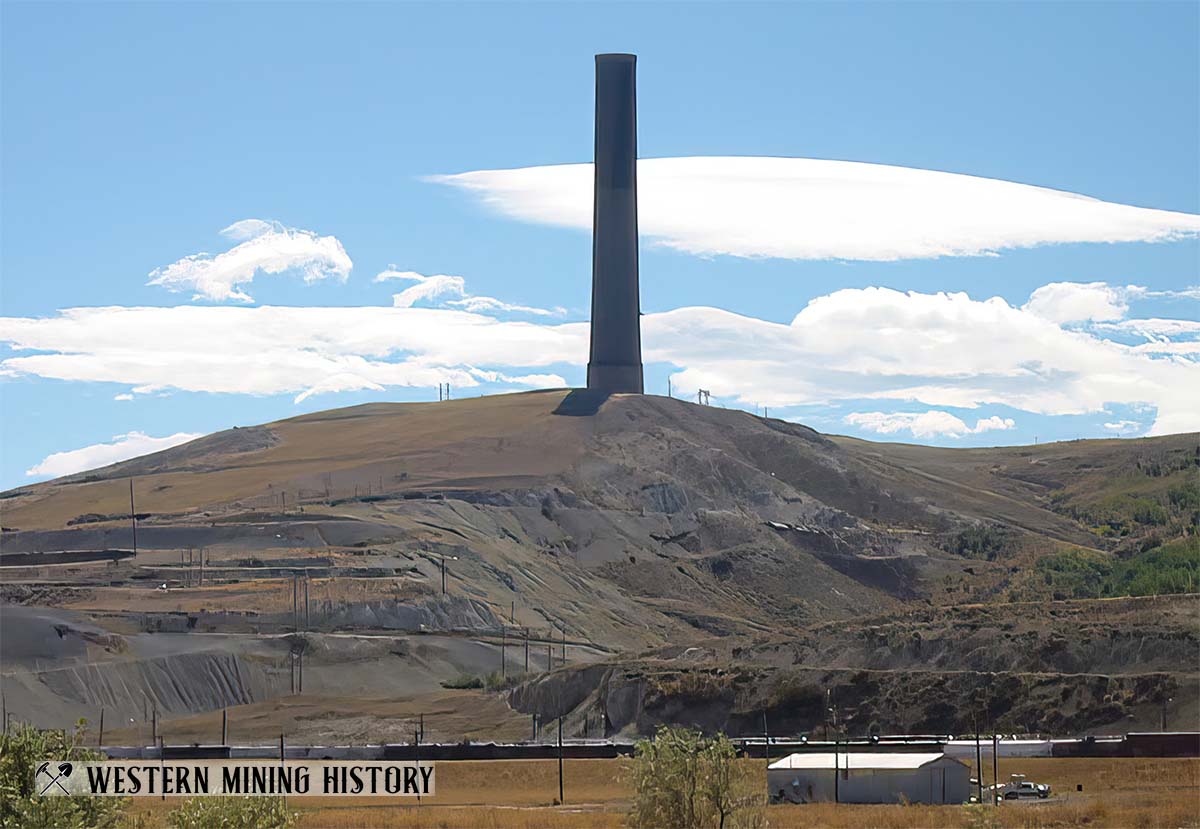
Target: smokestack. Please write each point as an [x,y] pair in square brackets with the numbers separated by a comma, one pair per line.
[615,365]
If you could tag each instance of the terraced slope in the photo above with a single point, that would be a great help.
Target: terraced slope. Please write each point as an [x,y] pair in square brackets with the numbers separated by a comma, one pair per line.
[622,525]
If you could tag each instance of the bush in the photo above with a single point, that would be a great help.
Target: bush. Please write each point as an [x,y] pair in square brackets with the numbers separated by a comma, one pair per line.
[463,682]
[20,750]
[684,780]
[488,682]
[232,813]
[981,542]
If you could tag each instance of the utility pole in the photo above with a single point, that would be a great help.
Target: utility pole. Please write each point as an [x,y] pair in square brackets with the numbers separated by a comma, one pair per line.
[443,574]
[837,771]
[526,650]
[307,624]
[828,711]
[417,756]
[995,768]
[503,650]
[564,646]
[978,762]
[224,726]
[100,736]
[560,762]
[133,517]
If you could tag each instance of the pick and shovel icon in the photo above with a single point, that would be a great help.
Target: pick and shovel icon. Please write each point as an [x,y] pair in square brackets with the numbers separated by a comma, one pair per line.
[64,770]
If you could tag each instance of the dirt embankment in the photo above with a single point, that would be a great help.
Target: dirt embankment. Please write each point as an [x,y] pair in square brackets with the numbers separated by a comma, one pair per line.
[637,698]
[1060,667]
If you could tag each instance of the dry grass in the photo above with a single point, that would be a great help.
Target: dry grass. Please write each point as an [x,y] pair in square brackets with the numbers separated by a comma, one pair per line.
[414,817]
[492,439]
[1118,794]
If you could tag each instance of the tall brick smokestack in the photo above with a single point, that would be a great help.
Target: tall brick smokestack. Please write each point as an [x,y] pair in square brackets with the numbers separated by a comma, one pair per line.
[615,364]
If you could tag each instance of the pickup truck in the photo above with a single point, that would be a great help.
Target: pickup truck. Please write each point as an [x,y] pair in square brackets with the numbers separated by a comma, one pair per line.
[1021,789]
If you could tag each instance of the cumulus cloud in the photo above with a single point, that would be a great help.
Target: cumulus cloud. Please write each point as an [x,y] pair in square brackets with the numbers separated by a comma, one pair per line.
[801,208]
[943,349]
[930,424]
[122,447]
[1078,302]
[428,288]
[264,247]
[937,350]
[1124,427]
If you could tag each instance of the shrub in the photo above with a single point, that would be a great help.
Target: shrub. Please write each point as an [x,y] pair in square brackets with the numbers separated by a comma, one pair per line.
[20,750]
[232,813]
[981,542]
[463,682]
[684,780]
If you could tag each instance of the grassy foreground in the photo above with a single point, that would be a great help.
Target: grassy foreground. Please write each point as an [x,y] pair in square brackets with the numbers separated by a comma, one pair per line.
[1118,793]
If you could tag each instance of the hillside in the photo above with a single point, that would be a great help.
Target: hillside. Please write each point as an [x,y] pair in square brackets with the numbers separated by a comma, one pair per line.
[624,525]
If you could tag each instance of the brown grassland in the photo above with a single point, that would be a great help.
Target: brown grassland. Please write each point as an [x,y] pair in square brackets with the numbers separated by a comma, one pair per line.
[1126,793]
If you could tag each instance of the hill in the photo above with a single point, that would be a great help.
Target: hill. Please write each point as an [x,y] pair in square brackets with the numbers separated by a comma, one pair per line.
[625,525]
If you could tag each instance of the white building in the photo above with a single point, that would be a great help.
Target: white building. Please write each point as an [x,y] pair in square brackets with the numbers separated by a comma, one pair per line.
[869,777]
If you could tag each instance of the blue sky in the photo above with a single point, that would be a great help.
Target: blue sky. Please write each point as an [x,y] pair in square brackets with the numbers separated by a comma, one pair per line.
[133,134]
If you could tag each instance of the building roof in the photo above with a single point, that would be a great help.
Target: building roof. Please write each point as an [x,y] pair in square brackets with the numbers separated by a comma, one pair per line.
[858,760]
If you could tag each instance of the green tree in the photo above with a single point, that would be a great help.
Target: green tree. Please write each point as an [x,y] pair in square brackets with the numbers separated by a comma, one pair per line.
[684,780]
[21,749]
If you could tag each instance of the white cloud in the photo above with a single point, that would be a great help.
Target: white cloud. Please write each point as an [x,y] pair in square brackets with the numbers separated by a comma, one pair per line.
[938,349]
[1077,302]
[994,423]
[1125,427]
[800,208]
[931,424]
[122,447]
[430,287]
[285,350]
[1154,328]
[438,285]
[935,350]
[485,304]
[268,248]
[338,382]
[123,397]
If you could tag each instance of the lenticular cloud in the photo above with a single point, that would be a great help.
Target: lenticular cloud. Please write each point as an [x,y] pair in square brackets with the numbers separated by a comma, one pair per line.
[801,208]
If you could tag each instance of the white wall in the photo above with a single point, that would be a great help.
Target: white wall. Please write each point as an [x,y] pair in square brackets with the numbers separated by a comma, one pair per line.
[924,785]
